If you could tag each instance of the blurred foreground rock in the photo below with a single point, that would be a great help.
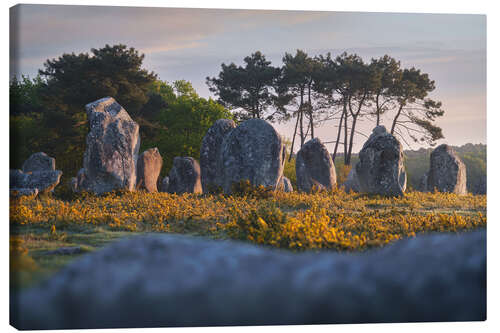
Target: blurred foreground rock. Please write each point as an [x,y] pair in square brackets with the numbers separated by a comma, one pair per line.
[174,280]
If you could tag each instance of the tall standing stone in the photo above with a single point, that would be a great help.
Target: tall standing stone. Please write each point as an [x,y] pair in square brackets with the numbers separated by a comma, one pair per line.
[185,176]
[149,166]
[314,167]
[210,150]
[253,151]
[447,172]
[110,158]
[380,169]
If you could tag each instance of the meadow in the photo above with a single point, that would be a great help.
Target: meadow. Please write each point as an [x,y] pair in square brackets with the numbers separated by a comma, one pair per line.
[336,220]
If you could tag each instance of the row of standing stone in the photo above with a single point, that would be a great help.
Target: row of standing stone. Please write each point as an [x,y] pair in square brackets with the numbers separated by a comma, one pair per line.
[252,151]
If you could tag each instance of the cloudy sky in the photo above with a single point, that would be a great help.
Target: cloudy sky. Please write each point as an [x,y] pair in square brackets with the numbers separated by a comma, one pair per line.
[191,44]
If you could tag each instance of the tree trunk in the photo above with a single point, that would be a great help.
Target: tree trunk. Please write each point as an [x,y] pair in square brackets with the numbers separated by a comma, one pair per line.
[354,119]
[338,136]
[345,136]
[311,121]
[301,110]
[378,110]
[396,119]
[293,139]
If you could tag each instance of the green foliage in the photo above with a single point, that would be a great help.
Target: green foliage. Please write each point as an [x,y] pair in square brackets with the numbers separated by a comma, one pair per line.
[246,90]
[289,171]
[181,122]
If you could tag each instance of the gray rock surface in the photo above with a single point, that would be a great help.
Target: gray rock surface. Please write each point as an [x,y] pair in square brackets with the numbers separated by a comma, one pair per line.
[110,158]
[314,167]
[253,151]
[210,150]
[42,181]
[149,166]
[380,169]
[39,162]
[351,183]
[21,192]
[285,185]
[447,172]
[185,176]
[174,280]
[164,184]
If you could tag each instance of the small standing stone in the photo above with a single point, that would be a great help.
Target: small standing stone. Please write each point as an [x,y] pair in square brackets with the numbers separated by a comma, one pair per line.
[380,169]
[149,166]
[314,167]
[39,162]
[164,184]
[184,177]
[285,185]
[447,172]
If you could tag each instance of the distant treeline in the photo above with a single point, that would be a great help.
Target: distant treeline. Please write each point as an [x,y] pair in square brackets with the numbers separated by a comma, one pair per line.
[417,163]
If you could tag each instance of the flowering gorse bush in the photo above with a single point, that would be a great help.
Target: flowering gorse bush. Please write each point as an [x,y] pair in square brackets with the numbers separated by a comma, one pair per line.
[336,219]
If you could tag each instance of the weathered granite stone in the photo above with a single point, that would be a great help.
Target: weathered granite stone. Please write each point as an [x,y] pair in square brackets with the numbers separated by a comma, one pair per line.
[110,158]
[351,183]
[253,151]
[174,280]
[380,169]
[447,172]
[314,167]
[43,181]
[149,166]
[184,177]
[285,185]
[164,184]
[20,192]
[210,150]
[39,162]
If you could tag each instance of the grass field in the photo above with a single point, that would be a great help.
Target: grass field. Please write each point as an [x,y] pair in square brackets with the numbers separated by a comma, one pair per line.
[296,221]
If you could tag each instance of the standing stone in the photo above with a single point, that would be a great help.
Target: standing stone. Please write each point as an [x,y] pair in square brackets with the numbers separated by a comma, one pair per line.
[148,169]
[285,185]
[39,162]
[314,167]
[253,151]
[351,183]
[447,172]
[164,184]
[109,162]
[210,150]
[185,176]
[39,175]
[380,169]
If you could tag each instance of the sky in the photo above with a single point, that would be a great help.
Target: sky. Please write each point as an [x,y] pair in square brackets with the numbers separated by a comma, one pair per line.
[191,44]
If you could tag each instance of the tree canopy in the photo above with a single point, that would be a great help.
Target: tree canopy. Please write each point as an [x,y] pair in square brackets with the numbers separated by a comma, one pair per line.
[47,113]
